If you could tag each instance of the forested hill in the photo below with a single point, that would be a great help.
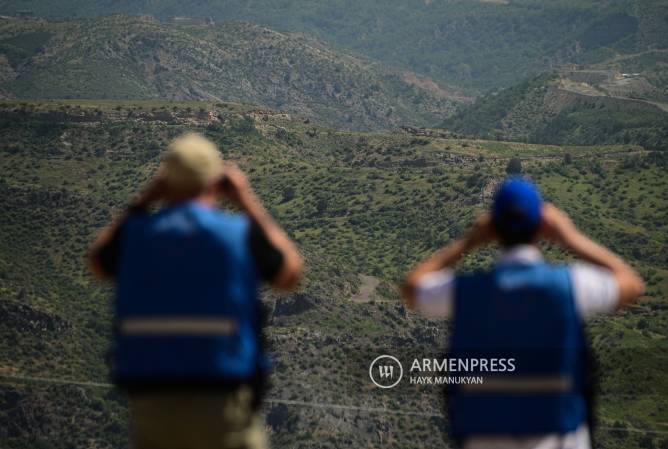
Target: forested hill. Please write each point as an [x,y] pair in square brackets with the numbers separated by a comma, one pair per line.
[122,57]
[478,44]
[577,107]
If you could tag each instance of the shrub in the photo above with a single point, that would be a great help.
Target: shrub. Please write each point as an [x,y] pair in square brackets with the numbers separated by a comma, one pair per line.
[514,166]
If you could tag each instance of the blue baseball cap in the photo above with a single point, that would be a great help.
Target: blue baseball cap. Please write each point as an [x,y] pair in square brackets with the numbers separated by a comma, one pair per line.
[516,212]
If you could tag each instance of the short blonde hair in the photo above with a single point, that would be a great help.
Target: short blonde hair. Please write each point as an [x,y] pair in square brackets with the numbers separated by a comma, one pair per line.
[191,163]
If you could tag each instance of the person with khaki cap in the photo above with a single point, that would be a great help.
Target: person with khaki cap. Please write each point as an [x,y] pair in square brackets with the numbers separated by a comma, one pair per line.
[189,347]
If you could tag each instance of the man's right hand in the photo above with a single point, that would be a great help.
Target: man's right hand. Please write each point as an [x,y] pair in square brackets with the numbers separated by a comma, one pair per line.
[234,186]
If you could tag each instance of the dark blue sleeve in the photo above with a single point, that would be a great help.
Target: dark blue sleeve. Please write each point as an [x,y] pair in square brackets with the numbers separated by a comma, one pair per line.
[268,259]
[109,256]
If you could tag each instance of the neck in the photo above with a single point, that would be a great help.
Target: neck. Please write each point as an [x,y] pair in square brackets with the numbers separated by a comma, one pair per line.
[519,245]
[522,253]
[205,199]
[207,196]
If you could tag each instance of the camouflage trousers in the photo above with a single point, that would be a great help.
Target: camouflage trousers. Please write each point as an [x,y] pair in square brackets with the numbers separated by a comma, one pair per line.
[197,420]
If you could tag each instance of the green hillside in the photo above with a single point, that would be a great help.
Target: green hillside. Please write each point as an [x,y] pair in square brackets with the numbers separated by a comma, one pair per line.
[358,204]
[124,57]
[565,109]
[477,44]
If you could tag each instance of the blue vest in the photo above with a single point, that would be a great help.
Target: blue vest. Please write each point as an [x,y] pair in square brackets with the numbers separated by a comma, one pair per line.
[526,313]
[187,300]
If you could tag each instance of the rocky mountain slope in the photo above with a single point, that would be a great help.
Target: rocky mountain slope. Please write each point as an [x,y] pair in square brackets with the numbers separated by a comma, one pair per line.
[571,107]
[475,44]
[124,57]
[366,204]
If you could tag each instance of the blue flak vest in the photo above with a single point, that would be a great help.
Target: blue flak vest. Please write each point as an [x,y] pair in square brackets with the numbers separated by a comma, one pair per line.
[526,313]
[187,299]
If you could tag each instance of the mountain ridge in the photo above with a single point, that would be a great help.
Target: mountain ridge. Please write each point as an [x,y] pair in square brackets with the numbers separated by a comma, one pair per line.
[121,57]
[470,44]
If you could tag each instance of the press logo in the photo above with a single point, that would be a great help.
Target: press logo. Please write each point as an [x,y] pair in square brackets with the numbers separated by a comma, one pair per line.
[386,371]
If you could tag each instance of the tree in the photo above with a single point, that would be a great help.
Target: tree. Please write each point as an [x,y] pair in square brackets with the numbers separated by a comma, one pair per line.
[514,166]
[288,194]
[321,205]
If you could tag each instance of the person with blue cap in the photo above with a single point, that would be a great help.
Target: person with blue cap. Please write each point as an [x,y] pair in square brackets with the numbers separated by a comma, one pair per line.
[527,311]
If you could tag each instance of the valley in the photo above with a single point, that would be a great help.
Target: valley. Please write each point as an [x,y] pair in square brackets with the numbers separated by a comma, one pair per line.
[391,198]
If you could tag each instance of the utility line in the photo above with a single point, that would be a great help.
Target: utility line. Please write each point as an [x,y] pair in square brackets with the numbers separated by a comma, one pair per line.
[320,405]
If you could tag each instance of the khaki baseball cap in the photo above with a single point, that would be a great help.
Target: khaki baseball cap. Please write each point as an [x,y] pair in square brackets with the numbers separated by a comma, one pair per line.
[191,163]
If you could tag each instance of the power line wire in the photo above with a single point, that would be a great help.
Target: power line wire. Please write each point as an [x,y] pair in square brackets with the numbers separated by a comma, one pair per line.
[291,402]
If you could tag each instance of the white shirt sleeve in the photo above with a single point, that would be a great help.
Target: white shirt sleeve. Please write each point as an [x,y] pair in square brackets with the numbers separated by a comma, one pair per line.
[435,294]
[595,289]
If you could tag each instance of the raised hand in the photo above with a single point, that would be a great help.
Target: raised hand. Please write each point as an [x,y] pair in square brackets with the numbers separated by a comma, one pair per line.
[556,225]
[156,191]
[481,233]
[234,186]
